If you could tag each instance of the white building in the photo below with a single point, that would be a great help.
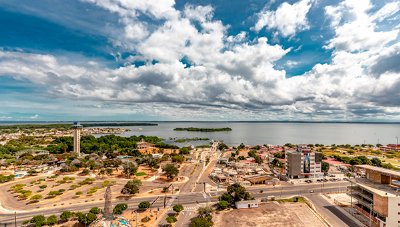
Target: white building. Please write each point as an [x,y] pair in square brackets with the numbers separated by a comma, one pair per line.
[245,204]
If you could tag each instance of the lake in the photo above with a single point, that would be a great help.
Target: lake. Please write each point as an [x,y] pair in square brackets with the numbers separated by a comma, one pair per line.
[277,133]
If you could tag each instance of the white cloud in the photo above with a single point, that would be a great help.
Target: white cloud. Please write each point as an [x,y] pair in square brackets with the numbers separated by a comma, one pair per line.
[287,19]
[355,28]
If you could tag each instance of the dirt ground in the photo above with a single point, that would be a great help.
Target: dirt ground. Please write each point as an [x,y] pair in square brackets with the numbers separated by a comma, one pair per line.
[270,214]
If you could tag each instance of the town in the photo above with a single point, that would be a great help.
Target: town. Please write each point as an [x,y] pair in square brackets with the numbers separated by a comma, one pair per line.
[140,180]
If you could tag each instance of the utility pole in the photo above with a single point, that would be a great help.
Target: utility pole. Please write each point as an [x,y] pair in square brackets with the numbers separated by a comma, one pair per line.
[15,218]
[397,143]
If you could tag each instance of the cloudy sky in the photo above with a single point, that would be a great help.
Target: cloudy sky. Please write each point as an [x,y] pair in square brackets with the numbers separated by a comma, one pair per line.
[200,60]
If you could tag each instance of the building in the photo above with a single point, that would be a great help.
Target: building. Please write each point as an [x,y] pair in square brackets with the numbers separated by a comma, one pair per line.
[303,163]
[377,196]
[245,204]
[77,137]
[144,145]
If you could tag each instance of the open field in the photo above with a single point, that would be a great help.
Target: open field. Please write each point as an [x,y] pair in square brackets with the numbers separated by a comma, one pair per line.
[270,214]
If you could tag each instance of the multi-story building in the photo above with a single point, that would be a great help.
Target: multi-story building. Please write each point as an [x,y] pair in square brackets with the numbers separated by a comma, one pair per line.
[377,196]
[77,137]
[303,163]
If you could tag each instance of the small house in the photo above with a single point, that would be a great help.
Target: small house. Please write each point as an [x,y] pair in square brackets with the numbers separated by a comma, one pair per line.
[245,204]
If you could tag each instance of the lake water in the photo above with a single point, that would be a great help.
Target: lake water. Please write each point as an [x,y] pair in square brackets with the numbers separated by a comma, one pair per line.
[277,133]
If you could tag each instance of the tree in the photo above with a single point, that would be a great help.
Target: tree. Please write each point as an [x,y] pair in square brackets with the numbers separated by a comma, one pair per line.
[171,171]
[238,192]
[205,212]
[325,167]
[184,150]
[178,158]
[52,220]
[95,210]
[178,208]
[90,217]
[227,197]
[65,216]
[222,146]
[171,219]
[119,208]
[131,187]
[144,205]
[38,220]
[223,204]
[376,162]
[201,222]
[130,169]
[36,197]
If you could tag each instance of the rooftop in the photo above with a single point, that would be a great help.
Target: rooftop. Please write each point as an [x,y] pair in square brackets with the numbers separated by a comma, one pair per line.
[380,189]
[380,170]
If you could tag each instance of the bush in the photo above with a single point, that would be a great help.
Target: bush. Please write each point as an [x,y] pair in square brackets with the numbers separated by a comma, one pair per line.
[178,208]
[38,220]
[95,210]
[36,197]
[171,219]
[144,205]
[42,186]
[119,208]
[223,204]
[131,187]
[65,216]
[52,220]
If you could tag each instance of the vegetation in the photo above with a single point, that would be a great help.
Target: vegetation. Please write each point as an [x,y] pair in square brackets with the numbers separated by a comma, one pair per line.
[178,208]
[130,169]
[95,210]
[235,193]
[119,208]
[65,216]
[4,178]
[131,187]
[223,204]
[171,219]
[183,140]
[38,220]
[52,220]
[192,129]
[203,219]
[87,218]
[144,205]
[171,171]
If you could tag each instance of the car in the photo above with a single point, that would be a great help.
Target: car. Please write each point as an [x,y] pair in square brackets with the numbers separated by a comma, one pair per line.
[311,191]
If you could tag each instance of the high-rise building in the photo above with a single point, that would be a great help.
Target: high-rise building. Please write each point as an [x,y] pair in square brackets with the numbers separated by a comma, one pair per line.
[302,162]
[77,137]
[377,196]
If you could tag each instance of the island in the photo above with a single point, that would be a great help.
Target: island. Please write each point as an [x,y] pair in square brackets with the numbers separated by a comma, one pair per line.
[183,140]
[192,129]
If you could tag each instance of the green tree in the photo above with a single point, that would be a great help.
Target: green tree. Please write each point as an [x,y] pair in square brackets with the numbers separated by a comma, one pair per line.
[52,220]
[223,204]
[238,192]
[119,208]
[325,167]
[184,150]
[65,216]
[178,208]
[178,158]
[144,205]
[38,220]
[376,162]
[205,212]
[130,169]
[171,219]
[171,171]
[201,222]
[131,187]
[95,210]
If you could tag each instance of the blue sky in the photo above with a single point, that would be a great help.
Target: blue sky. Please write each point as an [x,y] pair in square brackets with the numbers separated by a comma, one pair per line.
[199,60]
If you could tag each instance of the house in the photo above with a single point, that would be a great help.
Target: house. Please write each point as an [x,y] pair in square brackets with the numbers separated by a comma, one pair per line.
[245,204]
[144,145]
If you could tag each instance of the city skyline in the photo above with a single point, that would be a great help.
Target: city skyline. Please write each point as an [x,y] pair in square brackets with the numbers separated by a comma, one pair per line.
[304,60]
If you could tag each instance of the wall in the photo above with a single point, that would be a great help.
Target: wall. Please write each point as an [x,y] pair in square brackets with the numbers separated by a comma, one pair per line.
[393,211]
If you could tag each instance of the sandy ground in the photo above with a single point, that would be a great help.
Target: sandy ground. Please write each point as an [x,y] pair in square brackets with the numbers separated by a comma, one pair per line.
[270,214]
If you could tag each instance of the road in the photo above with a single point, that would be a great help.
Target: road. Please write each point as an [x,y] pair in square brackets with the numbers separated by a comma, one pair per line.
[330,212]
[187,199]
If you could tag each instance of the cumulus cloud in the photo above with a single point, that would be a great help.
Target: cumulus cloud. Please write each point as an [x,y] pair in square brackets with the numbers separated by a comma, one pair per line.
[287,19]
[194,70]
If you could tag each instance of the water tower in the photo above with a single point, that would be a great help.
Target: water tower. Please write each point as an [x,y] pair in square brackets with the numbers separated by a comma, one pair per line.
[77,137]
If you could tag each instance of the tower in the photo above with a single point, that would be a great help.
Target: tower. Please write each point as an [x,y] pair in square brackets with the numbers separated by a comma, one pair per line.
[107,212]
[77,137]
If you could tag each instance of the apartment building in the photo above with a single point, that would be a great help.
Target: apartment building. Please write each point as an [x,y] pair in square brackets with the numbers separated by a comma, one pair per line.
[377,196]
[303,163]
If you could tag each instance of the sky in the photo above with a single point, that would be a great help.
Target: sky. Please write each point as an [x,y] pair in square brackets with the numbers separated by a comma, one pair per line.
[222,60]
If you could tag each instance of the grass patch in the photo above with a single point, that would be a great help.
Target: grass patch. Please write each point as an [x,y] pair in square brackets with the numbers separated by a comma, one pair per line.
[139,174]
[292,200]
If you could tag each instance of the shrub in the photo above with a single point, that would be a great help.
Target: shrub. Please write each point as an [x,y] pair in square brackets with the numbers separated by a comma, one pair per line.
[178,208]
[223,204]
[38,220]
[119,208]
[65,216]
[95,210]
[144,205]
[52,220]
[171,219]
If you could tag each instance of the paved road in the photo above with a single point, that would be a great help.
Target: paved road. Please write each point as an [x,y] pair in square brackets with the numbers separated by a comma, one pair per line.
[331,213]
[192,198]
